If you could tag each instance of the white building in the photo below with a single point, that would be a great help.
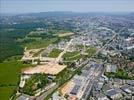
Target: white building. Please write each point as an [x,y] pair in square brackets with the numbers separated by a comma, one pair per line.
[111,68]
[101,97]
[114,95]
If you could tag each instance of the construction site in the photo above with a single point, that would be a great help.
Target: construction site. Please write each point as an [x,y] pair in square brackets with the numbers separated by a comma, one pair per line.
[48,68]
[47,65]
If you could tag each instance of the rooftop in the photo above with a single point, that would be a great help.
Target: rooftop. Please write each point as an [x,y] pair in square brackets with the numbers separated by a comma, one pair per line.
[75,90]
[111,92]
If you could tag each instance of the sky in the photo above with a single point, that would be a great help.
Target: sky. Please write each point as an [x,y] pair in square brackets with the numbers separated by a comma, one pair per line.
[32,6]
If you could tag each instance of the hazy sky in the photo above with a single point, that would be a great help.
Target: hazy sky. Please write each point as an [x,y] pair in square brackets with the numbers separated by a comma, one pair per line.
[25,6]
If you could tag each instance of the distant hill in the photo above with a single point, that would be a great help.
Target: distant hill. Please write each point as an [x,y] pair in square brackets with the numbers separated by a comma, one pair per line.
[52,14]
[69,13]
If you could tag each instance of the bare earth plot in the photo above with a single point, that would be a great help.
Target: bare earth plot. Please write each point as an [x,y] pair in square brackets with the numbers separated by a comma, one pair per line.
[48,68]
[65,34]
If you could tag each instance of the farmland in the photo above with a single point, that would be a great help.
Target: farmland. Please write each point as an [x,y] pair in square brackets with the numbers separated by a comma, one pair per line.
[9,77]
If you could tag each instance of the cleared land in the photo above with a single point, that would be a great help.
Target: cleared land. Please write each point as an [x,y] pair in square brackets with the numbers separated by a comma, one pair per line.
[48,68]
[9,77]
[65,34]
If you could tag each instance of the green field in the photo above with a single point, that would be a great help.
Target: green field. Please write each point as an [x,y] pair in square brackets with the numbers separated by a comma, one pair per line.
[9,77]
[71,55]
[54,53]
[91,51]
[5,92]
[39,43]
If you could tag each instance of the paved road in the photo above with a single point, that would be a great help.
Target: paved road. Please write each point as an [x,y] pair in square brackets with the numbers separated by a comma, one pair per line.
[97,72]
[45,94]
[64,51]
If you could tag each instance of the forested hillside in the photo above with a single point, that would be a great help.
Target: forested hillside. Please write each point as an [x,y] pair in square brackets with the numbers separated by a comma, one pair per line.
[14,37]
[8,46]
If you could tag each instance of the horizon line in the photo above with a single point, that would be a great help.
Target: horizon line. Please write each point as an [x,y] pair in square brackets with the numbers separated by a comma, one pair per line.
[68,11]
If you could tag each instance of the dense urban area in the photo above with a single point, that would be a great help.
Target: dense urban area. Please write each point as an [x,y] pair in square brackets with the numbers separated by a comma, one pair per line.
[67,56]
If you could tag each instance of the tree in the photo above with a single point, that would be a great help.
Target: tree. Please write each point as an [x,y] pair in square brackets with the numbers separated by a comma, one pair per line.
[36,81]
